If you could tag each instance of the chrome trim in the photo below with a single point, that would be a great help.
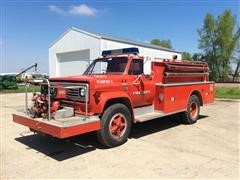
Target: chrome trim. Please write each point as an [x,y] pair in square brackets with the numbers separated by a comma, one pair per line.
[155,114]
[86,100]
[186,66]
[67,83]
[183,83]
[49,100]
[72,86]
[81,85]
[26,96]
[74,94]
[170,113]
[169,74]
[143,110]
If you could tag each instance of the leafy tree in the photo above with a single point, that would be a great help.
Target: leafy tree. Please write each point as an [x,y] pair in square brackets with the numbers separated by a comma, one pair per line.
[8,82]
[163,43]
[186,56]
[237,70]
[197,57]
[236,56]
[218,43]
[207,42]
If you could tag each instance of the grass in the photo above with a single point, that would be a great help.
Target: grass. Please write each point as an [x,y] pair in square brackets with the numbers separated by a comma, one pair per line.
[229,93]
[21,89]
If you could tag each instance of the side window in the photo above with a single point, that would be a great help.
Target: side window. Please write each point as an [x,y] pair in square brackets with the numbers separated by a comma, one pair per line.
[136,67]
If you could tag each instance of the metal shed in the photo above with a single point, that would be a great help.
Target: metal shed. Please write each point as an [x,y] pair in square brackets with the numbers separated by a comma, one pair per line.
[72,52]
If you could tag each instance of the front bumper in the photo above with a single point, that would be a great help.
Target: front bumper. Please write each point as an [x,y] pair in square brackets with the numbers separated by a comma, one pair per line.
[61,128]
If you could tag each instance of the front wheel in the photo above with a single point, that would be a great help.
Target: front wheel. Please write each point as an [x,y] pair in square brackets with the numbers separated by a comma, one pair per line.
[193,109]
[116,124]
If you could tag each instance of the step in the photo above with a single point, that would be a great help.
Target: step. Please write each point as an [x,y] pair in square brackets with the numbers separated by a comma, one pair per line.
[147,113]
[149,116]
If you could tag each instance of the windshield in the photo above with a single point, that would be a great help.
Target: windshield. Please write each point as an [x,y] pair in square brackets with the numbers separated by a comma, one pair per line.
[115,65]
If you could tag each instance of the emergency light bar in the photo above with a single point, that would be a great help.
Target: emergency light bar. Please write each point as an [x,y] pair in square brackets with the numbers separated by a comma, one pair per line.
[132,50]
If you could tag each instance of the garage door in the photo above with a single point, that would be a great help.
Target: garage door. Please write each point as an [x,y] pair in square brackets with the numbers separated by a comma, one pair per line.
[73,63]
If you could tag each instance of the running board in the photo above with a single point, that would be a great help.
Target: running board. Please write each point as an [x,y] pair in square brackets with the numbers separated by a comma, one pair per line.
[149,116]
[147,113]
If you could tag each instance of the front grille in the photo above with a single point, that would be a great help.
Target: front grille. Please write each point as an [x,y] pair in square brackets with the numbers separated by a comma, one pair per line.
[73,89]
[73,94]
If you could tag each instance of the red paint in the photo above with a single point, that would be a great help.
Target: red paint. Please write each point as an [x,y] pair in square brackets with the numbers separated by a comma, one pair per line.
[176,97]
[61,93]
[117,125]
[193,109]
[55,130]
[55,107]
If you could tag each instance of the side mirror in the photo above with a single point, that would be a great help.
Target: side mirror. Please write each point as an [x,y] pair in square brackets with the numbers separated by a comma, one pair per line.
[147,66]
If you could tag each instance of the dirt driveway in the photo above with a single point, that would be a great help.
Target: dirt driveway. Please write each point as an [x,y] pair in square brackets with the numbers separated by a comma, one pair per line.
[161,148]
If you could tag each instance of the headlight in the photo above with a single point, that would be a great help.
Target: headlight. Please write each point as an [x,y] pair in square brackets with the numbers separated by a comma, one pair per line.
[83,92]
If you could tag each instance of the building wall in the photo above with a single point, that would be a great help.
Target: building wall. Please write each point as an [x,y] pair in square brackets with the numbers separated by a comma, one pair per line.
[66,55]
[144,51]
[72,53]
[73,63]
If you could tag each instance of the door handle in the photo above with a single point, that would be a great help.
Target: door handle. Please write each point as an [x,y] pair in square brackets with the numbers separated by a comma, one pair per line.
[135,81]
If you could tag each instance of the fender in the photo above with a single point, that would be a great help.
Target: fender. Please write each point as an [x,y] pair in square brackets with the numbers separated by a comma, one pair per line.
[197,92]
[106,96]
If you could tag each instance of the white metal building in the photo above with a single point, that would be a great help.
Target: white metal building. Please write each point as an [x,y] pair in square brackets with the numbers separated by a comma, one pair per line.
[71,53]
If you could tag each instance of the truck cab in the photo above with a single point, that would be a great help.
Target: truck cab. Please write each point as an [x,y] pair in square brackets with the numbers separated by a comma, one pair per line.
[123,73]
[116,90]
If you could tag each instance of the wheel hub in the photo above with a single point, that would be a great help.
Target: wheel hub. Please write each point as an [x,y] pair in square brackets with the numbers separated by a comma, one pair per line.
[117,125]
[193,110]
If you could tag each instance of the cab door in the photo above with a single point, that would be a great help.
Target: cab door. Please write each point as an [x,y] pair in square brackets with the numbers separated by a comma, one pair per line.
[140,86]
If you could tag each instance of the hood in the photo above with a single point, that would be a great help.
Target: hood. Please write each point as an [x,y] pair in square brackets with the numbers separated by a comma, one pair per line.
[81,78]
[84,78]
[102,81]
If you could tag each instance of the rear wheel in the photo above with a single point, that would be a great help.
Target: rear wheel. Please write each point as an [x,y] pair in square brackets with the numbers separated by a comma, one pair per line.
[115,125]
[193,109]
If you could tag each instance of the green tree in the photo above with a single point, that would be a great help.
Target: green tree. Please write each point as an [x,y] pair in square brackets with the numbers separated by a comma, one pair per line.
[236,56]
[237,70]
[186,56]
[163,43]
[218,44]
[197,57]
[207,42]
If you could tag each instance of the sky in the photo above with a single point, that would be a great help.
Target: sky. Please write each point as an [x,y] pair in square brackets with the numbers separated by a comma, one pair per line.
[28,28]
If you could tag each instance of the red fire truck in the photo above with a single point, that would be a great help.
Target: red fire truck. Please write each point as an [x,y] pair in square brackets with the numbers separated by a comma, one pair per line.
[117,90]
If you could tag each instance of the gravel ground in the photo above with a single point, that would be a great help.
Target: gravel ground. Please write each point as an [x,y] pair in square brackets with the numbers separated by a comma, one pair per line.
[161,148]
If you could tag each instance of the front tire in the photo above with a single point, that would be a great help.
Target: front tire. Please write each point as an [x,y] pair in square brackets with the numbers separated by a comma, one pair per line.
[193,109]
[116,124]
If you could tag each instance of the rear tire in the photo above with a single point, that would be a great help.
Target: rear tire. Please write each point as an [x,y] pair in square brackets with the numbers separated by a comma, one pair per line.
[116,124]
[193,109]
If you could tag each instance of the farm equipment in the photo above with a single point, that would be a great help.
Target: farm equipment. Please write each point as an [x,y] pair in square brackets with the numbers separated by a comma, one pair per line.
[115,91]
[10,81]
